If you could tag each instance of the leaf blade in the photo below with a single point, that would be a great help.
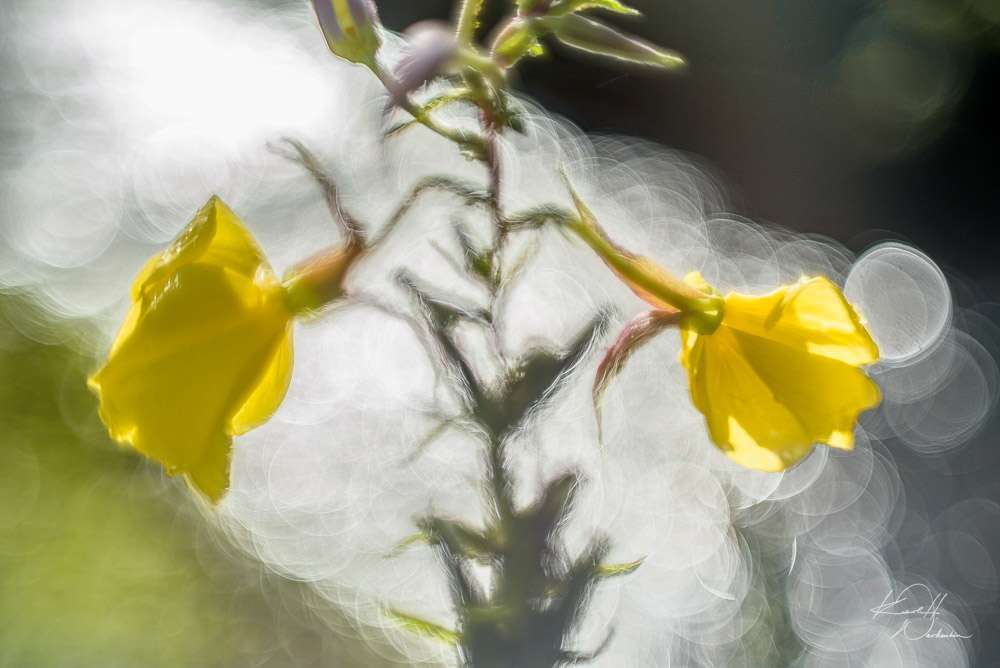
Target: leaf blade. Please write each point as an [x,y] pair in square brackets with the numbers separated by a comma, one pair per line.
[597,38]
[618,570]
[423,628]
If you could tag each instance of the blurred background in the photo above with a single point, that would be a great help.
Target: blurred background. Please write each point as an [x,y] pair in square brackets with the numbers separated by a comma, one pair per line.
[857,120]
[861,121]
[854,119]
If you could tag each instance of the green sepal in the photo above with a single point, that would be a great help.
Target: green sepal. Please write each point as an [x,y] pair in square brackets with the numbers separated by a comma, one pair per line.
[423,627]
[591,36]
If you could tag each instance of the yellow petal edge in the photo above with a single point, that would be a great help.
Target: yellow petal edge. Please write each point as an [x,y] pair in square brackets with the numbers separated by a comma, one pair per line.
[204,354]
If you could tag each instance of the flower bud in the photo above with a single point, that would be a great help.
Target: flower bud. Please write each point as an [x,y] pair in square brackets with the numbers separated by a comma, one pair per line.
[430,47]
[350,28]
[597,38]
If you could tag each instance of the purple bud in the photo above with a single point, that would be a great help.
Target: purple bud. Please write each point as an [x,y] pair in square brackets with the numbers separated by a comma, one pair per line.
[431,46]
[350,28]
[327,18]
[363,11]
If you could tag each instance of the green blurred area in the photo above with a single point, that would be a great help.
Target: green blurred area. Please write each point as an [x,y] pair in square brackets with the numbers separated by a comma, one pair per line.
[104,562]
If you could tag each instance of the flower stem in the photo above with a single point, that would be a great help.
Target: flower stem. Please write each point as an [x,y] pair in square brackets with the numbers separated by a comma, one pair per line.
[651,282]
[467,141]
[638,271]
[468,20]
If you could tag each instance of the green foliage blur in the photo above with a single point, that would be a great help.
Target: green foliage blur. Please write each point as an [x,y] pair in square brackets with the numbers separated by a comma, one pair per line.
[105,562]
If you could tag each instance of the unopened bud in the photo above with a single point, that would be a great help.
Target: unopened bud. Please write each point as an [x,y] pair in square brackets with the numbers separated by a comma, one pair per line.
[350,28]
[430,47]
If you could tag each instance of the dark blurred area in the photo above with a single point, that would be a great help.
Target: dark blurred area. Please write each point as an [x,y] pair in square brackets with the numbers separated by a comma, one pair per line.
[848,118]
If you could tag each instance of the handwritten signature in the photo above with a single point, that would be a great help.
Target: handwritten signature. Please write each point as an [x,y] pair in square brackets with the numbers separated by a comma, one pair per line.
[918,621]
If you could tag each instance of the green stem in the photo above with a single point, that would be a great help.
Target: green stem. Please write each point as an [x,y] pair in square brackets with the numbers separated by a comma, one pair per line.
[467,141]
[499,478]
[500,484]
[646,277]
[468,20]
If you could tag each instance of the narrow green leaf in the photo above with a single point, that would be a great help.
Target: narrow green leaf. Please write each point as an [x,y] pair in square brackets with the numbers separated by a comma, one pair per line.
[424,628]
[418,538]
[459,538]
[615,570]
[450,97]
[436,102]
[433,435]
[398,128]
[537,217]
[518,265]
[597,38]
[573,6]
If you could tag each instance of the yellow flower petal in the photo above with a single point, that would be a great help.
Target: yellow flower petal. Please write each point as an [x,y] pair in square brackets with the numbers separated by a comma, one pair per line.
[782,373]
[812,315]
[205,352]
[741,412]
[215,236]
[271,388]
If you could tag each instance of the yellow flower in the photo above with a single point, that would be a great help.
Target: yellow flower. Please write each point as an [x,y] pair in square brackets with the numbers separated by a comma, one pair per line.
[772,374]
[204,354]
[781,373]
